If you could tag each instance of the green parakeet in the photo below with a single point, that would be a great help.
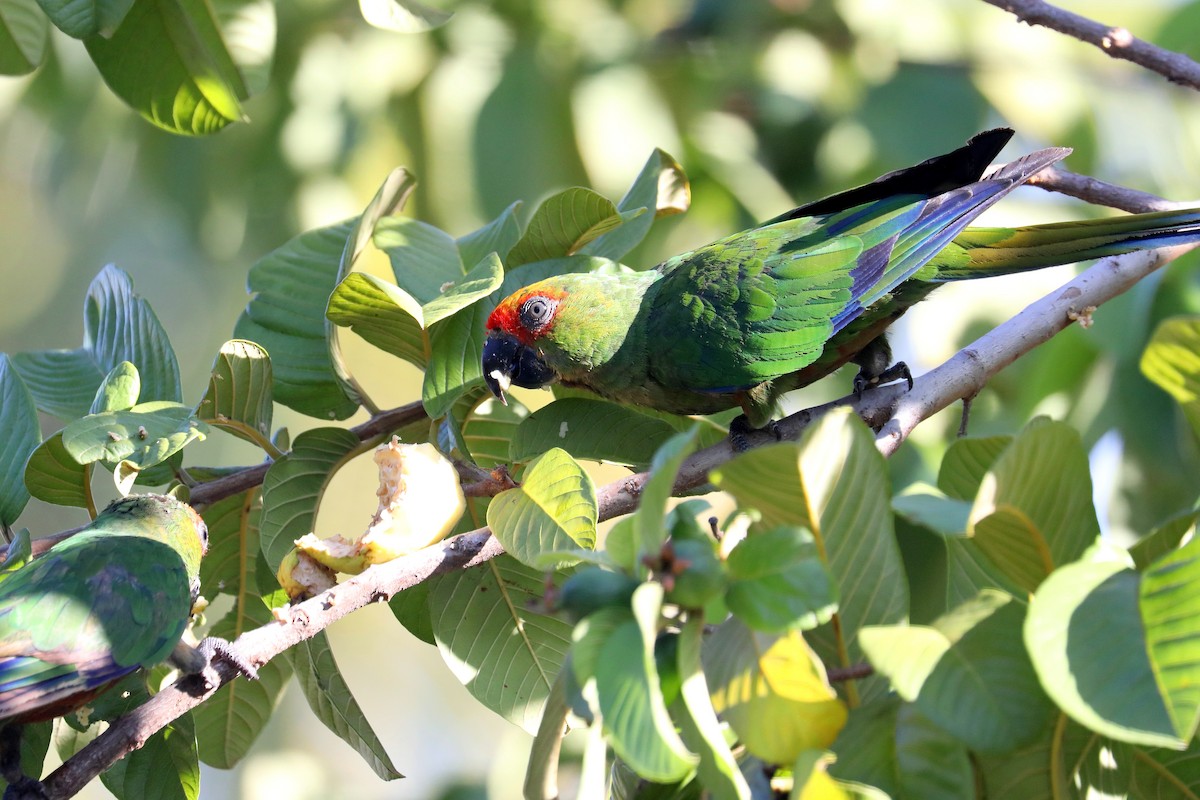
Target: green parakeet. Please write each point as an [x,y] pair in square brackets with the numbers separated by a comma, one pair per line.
[743,320]
[109,600]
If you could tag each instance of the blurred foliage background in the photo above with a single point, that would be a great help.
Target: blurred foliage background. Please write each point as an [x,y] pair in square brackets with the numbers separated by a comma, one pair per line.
[764,102]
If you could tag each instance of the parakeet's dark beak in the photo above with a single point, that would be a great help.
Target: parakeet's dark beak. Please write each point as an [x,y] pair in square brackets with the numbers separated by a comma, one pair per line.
[507,362]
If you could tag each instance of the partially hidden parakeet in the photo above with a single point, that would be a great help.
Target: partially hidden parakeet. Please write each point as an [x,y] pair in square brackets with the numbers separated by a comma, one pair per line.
[757,314]
[113,598]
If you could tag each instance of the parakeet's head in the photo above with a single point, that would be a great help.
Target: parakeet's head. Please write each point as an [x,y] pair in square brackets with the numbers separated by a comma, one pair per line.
[511,354]
[164,518]
[562,328]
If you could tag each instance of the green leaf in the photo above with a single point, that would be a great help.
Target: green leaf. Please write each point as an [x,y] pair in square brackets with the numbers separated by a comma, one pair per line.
[294,485]
[772,691]
[330,699]
[382,314]
[54,476]
[835,484]
[778,581]
[17,554]
[661,188]
[424,258]
[1034,507]
[35,744]
[552,512]
[248,28]
[169,62]
[483,279]
[411,609]
[966,462]
[229,722]
[145,435]
[649,528]
[969,672]
[119,390]
[498,237]
[926,506]
[1082,608]
[563,224]
[118,326]
[402,16]
[24,33]
[1163,539]
[891,746]
[20,435]
[1172,360]
[239,392]
[233,549]
[286,317]
[165,766]
[80,18]
[505,653]
[698,721]
[488,431]
[627,689]
[593,429]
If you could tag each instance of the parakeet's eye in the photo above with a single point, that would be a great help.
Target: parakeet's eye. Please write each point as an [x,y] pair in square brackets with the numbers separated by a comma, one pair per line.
[536,312]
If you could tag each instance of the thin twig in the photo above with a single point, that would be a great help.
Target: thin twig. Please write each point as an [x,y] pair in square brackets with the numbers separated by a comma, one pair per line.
[1115,41]
[1098,192]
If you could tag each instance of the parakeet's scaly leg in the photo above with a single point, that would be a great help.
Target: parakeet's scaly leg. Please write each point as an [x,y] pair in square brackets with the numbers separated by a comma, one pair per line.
[20,785]
[875,367]
[197,662]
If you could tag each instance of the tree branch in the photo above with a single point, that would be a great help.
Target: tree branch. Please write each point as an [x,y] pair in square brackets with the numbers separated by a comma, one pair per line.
[1115,41]
[1098,192]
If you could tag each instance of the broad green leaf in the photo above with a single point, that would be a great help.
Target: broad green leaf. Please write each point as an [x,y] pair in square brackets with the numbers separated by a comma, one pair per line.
[1034,508]
[505,653]
[233,549]
[541,773]
[229,722]
[772,690]
[483,279]
[968,672]
[169,62]
[552,512]
[662,189]
[35,744]
[890,746]
[330,699]
[286,317]
[119,390]
[649,528]
[81,18]
[1163,539]
[630,700]
[424,258]
[970,572]
[1172,360]
[24,33]
[239,392]
[389,200]
[54,476]
[926,506]
[810,778]
[457,342]
[1169,601]
[1083,608]
[411,609]
[488,431]
[498,237]
[145,435]
[16,554]
[382,314]
[166,766]
[293,487]
[966,461]
[402,16]
[698,721]
[20,435]
[593,429]
[777,581]
[563,224]
[117,326]
[833,483]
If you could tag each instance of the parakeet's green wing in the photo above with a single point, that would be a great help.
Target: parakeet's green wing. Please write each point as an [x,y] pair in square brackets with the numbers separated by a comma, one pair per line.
[762,304]
[77,619]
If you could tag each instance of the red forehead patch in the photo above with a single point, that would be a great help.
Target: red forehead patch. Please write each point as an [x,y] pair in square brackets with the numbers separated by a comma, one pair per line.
[506,316]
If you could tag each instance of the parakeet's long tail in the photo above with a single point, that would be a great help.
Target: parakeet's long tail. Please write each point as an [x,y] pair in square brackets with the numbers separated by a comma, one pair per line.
[984,252]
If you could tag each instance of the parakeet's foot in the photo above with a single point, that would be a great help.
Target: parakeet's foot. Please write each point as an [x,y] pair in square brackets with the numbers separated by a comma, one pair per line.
[740,430]
[25,788]
[214,646]
[896,372]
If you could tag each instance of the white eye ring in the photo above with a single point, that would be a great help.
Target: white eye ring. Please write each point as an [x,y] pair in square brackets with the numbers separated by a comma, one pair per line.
[536,312]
